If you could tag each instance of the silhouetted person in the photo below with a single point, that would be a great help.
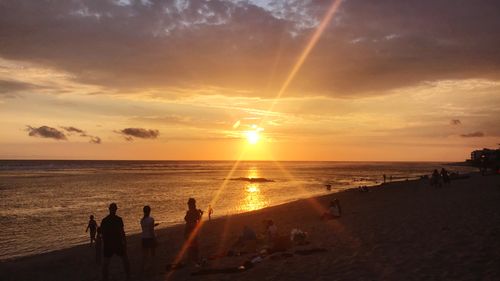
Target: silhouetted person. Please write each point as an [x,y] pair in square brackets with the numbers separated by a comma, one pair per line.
[445,176]
[271,230]
[192,218]
[385,178]
[114,241]
[210,212]
[98,246]
[363,189]
[328,187]
[436,179]
[148,236]
[92,226]
[484,165]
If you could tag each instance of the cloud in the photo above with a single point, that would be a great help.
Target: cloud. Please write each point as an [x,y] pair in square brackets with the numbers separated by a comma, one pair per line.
[75,130]
[473,135]
[92,139]
[11,89]
[95,140]
[7,86]
[46,132]
[169,46]
[455,122]
[131,133]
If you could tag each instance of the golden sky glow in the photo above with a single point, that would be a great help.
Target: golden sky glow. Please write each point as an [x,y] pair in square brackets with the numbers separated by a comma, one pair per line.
[300,81]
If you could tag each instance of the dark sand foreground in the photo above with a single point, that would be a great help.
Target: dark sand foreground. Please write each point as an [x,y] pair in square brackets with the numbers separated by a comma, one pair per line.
[398,231]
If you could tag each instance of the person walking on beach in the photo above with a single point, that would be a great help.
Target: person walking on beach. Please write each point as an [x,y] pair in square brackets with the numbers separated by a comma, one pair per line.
[148,236]
[92,226]
[192,218]
[114,241]
[435,179]
[445,176]
[210,212]
[385,178]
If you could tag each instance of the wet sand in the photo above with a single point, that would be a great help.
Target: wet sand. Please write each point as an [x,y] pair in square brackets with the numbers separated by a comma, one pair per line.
[397,231]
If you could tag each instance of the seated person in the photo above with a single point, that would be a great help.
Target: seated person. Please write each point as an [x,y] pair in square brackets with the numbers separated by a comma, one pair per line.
[247,241]
[334,211]
[363,188]
[271,229]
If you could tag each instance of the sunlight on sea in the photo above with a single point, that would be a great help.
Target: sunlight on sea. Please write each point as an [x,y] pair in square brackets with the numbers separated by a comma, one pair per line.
[46,204]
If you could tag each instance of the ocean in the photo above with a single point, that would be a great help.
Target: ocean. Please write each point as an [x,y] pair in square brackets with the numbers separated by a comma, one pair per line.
[45,204]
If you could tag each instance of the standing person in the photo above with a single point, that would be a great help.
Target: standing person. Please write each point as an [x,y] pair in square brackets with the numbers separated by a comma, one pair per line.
[192,218]
[114,241]
[210,212]
[92,226]
[435,179]
[445,176]
[385,178]
[148,236]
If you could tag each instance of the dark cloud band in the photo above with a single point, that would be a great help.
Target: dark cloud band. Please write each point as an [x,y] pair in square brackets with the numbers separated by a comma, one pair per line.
[131,133]
[53,133]
[370,47]
[46,132]
[473,135]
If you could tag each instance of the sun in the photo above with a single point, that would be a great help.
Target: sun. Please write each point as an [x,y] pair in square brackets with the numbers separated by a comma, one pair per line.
[252,137]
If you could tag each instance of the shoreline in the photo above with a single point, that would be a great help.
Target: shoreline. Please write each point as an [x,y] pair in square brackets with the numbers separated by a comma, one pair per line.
[135,235]
[396,231]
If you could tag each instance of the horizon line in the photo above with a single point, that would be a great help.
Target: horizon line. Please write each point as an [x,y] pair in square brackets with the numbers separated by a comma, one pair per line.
[225,160]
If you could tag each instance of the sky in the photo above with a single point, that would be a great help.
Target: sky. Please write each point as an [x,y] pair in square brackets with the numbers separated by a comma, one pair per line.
[349,80]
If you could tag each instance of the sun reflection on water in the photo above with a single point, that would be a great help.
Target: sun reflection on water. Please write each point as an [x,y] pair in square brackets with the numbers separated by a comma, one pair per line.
[253,188]
[253,198]
[253,173]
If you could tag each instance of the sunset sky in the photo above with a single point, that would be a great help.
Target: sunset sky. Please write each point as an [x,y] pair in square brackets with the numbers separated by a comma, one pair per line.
[256,79]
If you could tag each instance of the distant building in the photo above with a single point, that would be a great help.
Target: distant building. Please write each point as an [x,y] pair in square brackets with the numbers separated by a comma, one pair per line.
[485,159]
[491,155]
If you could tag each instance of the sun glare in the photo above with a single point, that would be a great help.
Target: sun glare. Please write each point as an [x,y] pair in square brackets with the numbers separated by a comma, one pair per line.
[252,137]
[252,188]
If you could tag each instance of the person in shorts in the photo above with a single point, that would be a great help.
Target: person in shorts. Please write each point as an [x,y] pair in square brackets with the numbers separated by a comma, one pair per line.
[114,241]
[92,226]
[148,236]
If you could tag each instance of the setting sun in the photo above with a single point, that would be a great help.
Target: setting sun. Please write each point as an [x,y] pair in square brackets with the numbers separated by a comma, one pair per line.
[252,137]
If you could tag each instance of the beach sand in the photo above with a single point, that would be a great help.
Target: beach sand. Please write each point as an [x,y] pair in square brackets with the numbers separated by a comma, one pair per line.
[397,231]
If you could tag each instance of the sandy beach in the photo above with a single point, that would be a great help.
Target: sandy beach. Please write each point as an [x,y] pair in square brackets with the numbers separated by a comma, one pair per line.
[397,231]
